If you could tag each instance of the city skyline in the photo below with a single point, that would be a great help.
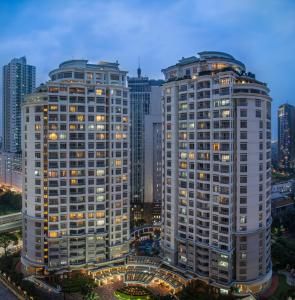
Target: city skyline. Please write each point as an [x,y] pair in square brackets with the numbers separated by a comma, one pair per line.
[124,31]
[147,149]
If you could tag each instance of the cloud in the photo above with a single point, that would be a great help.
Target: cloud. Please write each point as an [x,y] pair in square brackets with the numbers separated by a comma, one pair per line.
[259,33]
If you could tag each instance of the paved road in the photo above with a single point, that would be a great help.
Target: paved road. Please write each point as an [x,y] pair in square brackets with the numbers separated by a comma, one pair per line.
[5,293]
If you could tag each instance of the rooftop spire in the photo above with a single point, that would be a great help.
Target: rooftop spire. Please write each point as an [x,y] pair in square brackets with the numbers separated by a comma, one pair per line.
[138,69]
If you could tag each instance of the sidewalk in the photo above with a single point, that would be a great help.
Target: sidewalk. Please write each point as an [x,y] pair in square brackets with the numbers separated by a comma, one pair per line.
[5,293]
[11,289]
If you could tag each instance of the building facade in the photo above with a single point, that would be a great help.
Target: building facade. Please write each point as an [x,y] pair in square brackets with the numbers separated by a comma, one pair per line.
[286,136]
[19,79]
[153,159]
[11,170]
[76,168]
[141,95]
[217,172]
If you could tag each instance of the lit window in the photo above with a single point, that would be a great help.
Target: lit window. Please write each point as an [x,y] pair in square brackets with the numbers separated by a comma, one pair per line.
[37,127]
[183,155]
[118,220]
[98,92]
[100,189]
[225,113]
[100,214]
[100,127]
[53,136]
[53,107]
[225,158]
[216,147]
[100,198]
[52,234]
[74,181]
[243,219]
[100,172]
[80,118]
[100,154]
[63,173]
[53,218]
[80,215]
[183,165]
[100,136]
[202,175]
[100,222]
[63,136]
[183,106]
[183,136]
[183,193]
[222,263]
[224,292]
[80,154]
[73,108]
[118,162]
[52,174]
[100,118]
[224,81]
[191,155]
[74,172]
[217,66]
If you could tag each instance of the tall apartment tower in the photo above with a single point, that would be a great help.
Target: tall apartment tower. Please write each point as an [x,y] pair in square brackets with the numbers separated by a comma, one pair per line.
[217,172]
[140,102]
[286,136]
[76,168]
[19,79]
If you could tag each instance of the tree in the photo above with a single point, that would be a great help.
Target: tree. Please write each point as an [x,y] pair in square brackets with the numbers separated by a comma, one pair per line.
[79,284]
[6,239]
[91,296]
[10,202]
[288,220]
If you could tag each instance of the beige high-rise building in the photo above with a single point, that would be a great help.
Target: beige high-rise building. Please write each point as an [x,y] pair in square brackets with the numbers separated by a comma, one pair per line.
[76,168]
[217,172]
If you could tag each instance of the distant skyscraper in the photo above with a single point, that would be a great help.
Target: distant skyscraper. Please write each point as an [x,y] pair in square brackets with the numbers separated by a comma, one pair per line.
[274,153]
[140,101]
[76,168]
[286,136]
[11,170]
[19,79]
[217,172]
[153,159]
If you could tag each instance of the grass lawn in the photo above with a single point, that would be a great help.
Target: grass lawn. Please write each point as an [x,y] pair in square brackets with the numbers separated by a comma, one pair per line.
[281,292]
